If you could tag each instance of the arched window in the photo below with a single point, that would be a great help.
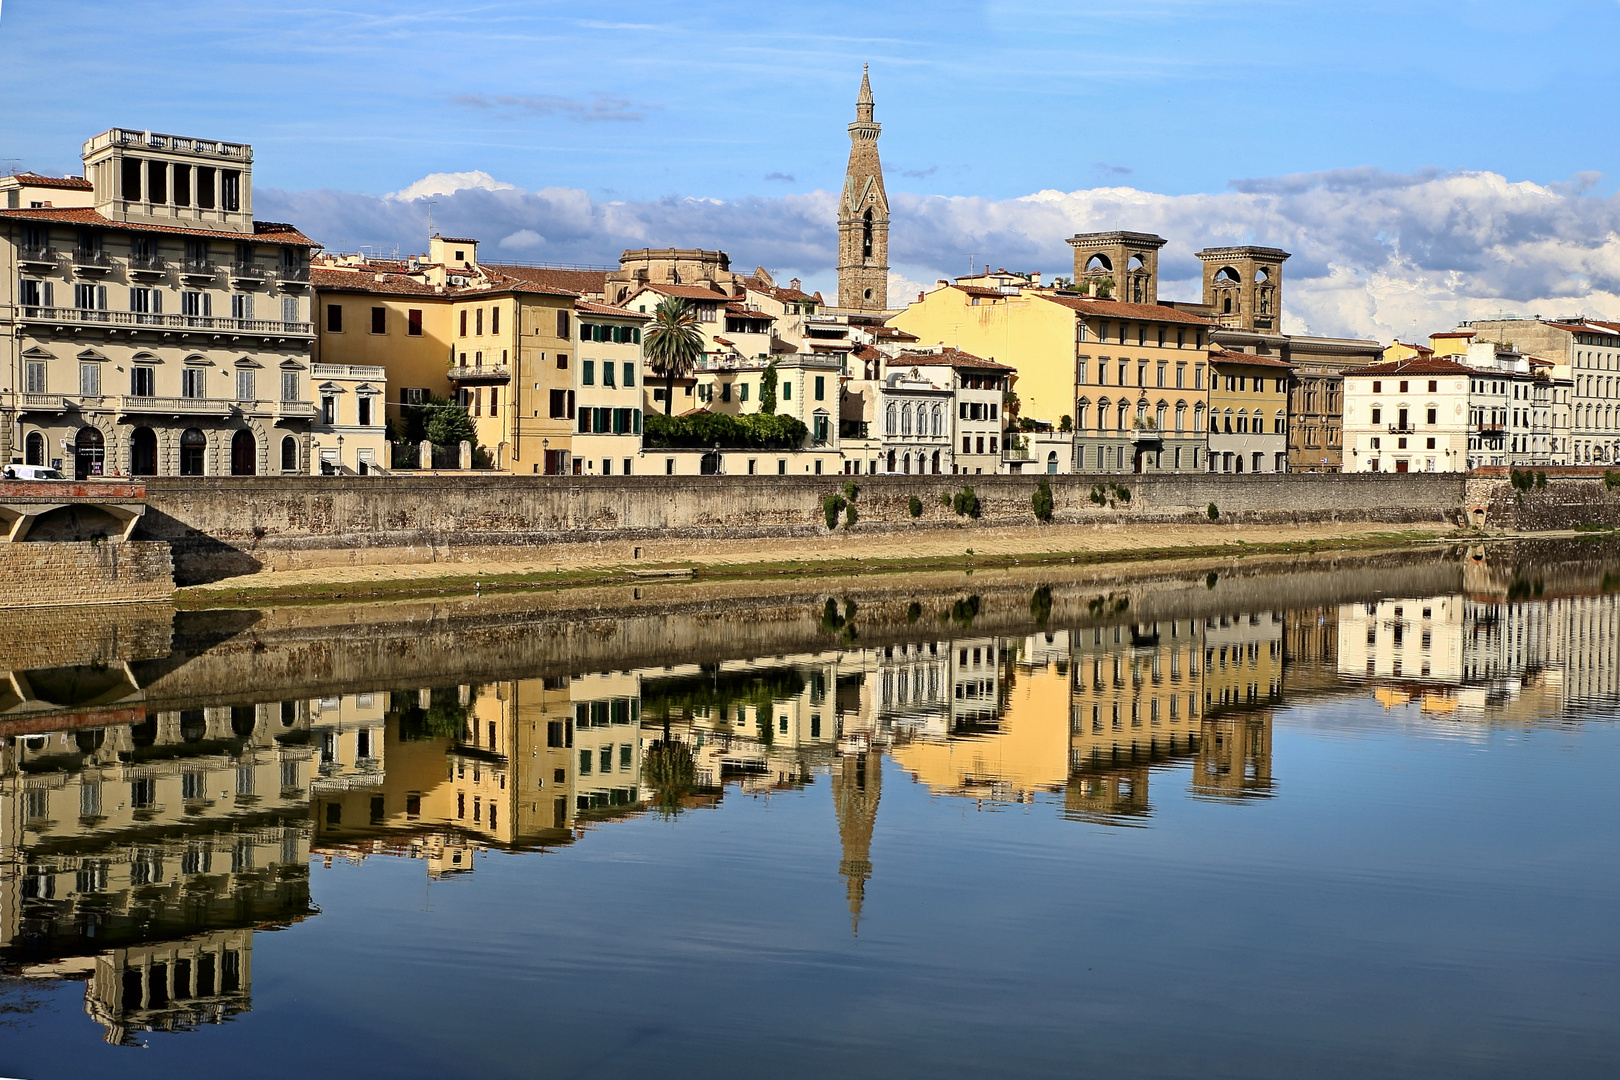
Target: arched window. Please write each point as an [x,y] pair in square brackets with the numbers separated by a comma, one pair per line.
[34,448]
[244,454]
[1279,423]
[143,452]
[938,427]
[1080,414]
[905,464]
[1226,306]
[866,236]
[1159,415]
[905,420]
[289,454]
[193,445]
[936,462]
[1198,417]
[1124,409]
[891,461]
[1181,416]
[1242,421]
[889,419]
[1229,421]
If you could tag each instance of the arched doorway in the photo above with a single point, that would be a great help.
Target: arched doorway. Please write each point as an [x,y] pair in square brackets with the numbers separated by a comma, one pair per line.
[936,462]
[34,448]
[193,444]
[89,453]
[244,454]
[289,454]
[143,452]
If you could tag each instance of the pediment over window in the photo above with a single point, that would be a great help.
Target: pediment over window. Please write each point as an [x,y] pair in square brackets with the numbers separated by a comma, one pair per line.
[34,352]
[199,361]
[332,388]
[248,362]
[291,365]
[366,388]
[91,356]
[144,357]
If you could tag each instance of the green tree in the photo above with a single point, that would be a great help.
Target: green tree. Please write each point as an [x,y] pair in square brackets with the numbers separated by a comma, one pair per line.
[1065,422]
[672,344]
[670,773]
[767,389]
[449,425]
[1042,502]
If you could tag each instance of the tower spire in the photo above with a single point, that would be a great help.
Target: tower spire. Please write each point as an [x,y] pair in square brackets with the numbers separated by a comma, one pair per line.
[857,785]
[863,214]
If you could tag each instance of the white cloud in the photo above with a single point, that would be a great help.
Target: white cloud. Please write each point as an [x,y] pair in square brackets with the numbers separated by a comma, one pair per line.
[448,183]
[1375,254]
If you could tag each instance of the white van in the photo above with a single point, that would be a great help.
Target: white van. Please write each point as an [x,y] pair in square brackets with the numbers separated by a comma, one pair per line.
[30,472]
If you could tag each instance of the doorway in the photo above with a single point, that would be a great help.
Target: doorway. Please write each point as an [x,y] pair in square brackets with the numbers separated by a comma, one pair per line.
[143,452]
[90,453]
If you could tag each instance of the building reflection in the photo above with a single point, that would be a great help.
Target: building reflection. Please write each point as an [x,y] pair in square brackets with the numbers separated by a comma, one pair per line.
[141,858]
[144,846]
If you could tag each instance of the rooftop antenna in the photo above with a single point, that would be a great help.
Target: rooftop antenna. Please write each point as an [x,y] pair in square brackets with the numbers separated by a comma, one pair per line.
[431,203]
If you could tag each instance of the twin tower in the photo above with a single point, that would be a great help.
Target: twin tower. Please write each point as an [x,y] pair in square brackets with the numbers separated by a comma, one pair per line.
[1242,285]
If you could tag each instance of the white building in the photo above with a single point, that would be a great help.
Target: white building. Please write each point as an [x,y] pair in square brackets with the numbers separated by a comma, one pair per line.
[1408,416]
[1586,352]
[148,325]
[978,387]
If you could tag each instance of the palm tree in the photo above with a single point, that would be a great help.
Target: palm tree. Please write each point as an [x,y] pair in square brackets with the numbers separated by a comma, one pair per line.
[673,344]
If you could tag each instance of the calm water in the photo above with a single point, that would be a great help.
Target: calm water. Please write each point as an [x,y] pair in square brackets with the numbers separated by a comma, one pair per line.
[1358,823]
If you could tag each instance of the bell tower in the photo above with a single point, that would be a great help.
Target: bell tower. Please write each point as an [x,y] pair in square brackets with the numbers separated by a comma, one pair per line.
[1243,286]
[863,215]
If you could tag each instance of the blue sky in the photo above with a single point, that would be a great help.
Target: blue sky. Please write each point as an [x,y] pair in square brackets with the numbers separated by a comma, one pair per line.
[661,107]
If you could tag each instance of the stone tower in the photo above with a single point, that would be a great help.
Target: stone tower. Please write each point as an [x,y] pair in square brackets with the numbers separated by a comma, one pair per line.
[1243,286]
[1119,265]
[863,216]
[857,784]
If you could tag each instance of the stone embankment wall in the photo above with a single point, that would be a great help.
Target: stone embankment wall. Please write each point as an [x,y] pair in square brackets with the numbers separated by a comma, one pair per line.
[222,527]
[1566,502]
[52,574]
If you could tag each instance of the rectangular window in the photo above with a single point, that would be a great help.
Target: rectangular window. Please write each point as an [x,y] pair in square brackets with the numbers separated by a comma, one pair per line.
[34,379]
[90,380]
[559,404]
[205,187]
[182,185]
[328,409]
[562,328]
[364,404]
[463,324]
[787,391]
[494,320]
[742,392]
[478,322]
[821,387]
[413,322]
[194,382]
[157,181]
[379,320]
[140,300]
[84,296]
[289,386]
[230,190]
[334,319]
[289,309]
[607,373]
[244,384]
[629,374]
[241,306]
[587,373]
[142,382]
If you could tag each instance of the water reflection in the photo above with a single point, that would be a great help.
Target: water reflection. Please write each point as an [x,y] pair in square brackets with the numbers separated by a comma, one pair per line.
[147,840]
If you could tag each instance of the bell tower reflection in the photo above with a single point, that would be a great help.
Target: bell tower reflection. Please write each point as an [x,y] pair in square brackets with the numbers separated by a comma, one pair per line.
[857,784]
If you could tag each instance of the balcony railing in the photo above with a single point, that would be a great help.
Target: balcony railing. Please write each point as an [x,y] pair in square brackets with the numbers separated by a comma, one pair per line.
[90,259]
[36,256]
[292,273]
[296,410]
[1493,429]
[198,268]
[80,316]
[853,429]
[477,373]
[347,371]
[44,402]
[144,265]
[248,272]
[1402,429]
[176,406]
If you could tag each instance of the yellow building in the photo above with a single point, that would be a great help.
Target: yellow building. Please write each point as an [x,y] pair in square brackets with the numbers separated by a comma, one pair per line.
[1248,413]
[1129,376]
[373,317]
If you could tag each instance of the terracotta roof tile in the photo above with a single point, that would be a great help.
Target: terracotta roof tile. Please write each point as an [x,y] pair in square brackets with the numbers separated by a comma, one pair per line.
[1118,309]
[365,281]
[1415,365]
[265,232]
[952,358]
[1231,357]
[687,292]
[68,183]
[581,281]
[590,307]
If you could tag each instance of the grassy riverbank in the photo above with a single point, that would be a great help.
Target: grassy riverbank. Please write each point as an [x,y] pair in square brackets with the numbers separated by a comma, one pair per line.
[840,555]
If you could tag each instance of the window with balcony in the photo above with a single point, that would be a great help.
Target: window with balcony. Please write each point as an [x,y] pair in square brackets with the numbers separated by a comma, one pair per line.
[34,377]
[194,382]
[289,386]
[198,305]
[241,306]
[90,380]
[244,385]
[142,381]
